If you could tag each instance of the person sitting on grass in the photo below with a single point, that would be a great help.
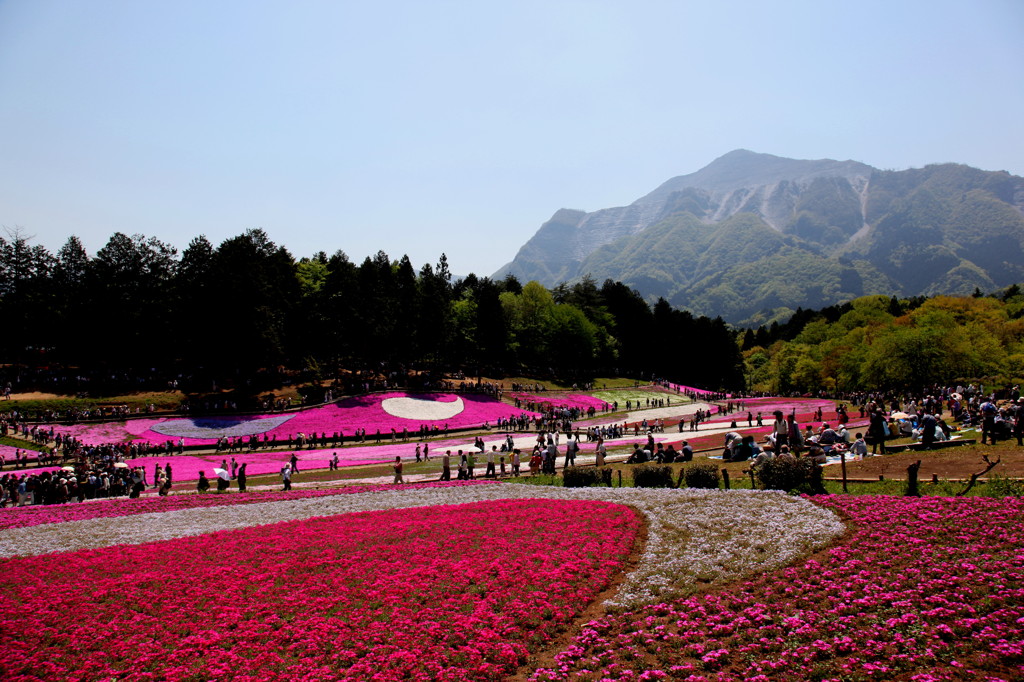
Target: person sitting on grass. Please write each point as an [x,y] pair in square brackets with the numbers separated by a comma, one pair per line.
[637,456]
[816,454]
[859,449]
[785,455]
[765,455]
[204,483]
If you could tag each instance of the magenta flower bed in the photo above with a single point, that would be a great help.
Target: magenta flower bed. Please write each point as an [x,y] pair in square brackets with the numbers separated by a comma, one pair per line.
[10,452]
[924,589]
[23,517]
[368,596]
[364,412]
[766,406]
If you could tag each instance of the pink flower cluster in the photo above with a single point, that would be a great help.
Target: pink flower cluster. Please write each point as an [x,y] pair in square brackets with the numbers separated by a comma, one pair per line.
[924,589]
[440,593]
[804,407]
[23,517]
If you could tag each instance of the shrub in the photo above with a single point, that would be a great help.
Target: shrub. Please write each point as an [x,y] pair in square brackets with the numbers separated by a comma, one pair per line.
[652,476]
[1002,486]
[788,475]
[581,477]
[701,476]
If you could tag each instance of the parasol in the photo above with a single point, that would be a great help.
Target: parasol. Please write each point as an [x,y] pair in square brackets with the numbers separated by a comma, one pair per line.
[222,473]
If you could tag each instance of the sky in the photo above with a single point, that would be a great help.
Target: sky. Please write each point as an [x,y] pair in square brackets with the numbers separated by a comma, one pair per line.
[421,128]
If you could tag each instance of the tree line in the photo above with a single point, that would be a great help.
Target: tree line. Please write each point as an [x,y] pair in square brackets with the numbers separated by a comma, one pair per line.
[247,306]
[884,343]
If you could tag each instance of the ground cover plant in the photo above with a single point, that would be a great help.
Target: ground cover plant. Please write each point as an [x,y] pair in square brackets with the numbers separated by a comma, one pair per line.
[638,395]
[561,400]
[25,517]
[380,595]
[922,589]
[361,412]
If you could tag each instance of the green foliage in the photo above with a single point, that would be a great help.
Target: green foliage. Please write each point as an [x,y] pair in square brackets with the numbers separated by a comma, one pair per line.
[1002,486]
[652,476]
[585,477]
[786,474]
[701,476]
[936,340]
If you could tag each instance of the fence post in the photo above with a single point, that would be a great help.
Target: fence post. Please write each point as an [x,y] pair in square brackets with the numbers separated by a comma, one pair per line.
[935,479]
[725,478]
[842,464]
[620,478]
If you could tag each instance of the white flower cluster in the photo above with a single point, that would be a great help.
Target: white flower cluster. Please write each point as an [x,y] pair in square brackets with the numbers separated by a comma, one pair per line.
[694,536]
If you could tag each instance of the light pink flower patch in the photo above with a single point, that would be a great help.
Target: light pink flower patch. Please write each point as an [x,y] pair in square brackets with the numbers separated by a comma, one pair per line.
[923,589]
[440,593]
[561,400]
[23,517]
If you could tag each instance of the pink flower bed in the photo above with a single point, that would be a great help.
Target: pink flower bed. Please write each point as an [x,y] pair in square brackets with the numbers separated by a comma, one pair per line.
[9,453]
[363,412]
[766,406]
[440,593]
[23,517]
[924,589]
[567,400]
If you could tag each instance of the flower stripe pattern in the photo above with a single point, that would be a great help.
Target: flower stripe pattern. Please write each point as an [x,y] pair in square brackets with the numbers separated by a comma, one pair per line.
[25,517]
[924,589]
[444,593]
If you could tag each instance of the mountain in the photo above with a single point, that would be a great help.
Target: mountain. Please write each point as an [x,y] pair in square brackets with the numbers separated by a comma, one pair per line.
[753,236]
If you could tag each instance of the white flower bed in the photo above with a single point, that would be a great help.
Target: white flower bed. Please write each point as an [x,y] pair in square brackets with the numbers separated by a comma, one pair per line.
[426,410]
[693,535]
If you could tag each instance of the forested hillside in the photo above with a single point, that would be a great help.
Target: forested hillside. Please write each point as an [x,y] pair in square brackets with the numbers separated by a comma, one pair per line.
[878,342]
[248,306]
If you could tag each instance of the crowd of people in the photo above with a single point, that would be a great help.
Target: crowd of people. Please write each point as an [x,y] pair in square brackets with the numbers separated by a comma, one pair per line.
[81,482]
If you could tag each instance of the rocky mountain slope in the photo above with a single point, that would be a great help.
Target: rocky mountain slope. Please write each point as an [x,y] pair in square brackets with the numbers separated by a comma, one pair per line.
[753,236]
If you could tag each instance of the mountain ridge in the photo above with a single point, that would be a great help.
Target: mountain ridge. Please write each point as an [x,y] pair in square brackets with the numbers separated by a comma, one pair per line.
[944,228]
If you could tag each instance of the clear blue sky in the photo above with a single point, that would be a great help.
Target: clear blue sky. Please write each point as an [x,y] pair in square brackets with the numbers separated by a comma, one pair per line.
[459,127]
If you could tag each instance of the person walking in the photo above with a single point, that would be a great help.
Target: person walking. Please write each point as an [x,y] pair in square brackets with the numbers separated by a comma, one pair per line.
[286,476]
[397,466]
[446,466]
[241,477]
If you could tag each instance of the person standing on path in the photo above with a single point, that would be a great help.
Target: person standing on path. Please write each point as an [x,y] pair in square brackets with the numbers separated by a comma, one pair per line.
[397,466]
[489,473]
[241,478]
[446,466]
[780,429]
[286,476]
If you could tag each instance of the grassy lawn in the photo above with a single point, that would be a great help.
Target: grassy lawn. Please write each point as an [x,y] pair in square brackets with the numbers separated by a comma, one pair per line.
[33,402]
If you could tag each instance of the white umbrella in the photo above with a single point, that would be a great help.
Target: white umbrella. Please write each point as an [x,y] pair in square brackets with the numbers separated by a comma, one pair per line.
[222,473]
[120,465]
[67,468]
